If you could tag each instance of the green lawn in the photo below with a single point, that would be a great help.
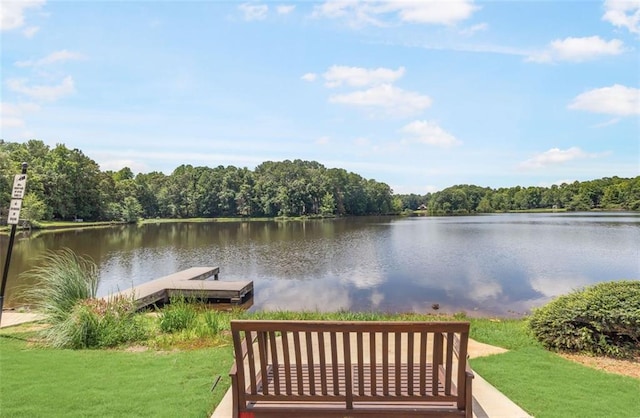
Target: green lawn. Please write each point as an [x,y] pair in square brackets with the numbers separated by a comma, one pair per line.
[545,384]
[38,382]
[86,383]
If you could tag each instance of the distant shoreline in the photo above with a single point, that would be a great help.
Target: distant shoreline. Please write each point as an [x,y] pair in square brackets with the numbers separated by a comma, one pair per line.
[53,226]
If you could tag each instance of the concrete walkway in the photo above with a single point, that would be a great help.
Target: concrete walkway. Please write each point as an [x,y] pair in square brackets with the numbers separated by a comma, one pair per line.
[488,402]
[11,318]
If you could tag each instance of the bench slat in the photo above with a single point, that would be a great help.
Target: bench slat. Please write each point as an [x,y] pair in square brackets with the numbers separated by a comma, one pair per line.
[298,356]
[312,376]
[372,362]
[334,363]
[385,364]
[398,361]
[264,365]
[346,342]
[252,363]
[287,360]
[437,360]
[410,363]
[323,365]
[274,362]
[405,370]
[449,364]
[360,368]
[350,326]
[423,363]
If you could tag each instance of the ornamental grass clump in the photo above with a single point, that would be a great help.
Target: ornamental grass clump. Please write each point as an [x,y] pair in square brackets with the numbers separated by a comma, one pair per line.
[62,279]
[603,319]
[64,290]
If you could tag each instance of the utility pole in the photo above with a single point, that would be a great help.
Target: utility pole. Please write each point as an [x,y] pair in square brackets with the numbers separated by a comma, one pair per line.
[19,186]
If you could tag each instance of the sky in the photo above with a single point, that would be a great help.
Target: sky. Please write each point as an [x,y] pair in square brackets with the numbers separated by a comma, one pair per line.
[421,95]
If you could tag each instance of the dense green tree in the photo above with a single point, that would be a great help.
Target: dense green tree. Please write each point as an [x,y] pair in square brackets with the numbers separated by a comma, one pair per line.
[328,205]
[131,209]
[150,188]
[33,208]
[65,184]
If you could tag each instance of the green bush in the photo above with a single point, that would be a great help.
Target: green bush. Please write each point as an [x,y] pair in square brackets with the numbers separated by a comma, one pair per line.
[98,323]
[178,315]
[64,290]
[211,323]
[603,319]
[62,279]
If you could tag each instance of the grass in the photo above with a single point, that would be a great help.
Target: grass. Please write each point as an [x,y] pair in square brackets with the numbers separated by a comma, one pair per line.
[548,386]
[44,381]
[545,384]
[99,383]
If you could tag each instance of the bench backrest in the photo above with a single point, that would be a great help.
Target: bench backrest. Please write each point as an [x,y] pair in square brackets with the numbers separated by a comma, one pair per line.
[350,361]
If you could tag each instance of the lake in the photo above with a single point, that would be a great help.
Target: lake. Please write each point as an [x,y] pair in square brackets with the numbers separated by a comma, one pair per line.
[501,264]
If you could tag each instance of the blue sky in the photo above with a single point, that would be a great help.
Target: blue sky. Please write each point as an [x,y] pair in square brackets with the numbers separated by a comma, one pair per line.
[419,95]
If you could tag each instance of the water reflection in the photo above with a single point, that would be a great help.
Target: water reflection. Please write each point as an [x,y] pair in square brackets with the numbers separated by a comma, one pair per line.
[494,264]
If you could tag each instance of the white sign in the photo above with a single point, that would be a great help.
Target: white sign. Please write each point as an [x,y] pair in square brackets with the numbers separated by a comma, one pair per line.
[14,212]
[19,185]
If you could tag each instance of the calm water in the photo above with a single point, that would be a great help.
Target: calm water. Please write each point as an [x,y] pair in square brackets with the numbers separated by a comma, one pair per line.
[495,264]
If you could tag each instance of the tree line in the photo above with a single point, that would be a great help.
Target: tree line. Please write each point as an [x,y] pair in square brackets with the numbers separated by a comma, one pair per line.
[66,184]
[609,193]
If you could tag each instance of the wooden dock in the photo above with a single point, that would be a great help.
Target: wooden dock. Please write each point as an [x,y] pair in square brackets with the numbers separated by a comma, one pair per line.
[190,283]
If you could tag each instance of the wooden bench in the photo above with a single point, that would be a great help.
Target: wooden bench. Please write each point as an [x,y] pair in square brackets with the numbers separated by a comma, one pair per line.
[349,369]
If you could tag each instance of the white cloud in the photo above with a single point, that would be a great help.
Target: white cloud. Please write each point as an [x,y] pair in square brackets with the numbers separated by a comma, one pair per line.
[394,100]
[335,8]
[415,188]
[474,29]
[360,13]
[57,56]
[31,31]
[285,9]
[254,11]
[43,93]
[615,100]
[554,156]
[12,12]
[623,13]
[476,48]
[578,49]
[432,11]
[426,132]
[12,115]
[117,164]
[309,77]
[607,123]
[336,75]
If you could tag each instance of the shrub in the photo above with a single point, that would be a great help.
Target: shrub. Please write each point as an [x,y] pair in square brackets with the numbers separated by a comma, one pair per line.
[211,323]
[98,323]
[63,279]
[178,315]
[603,319]
[64,290]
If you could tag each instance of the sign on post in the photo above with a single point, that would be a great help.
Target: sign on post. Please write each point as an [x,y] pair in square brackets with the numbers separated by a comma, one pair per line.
[19,185]
[14,212]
